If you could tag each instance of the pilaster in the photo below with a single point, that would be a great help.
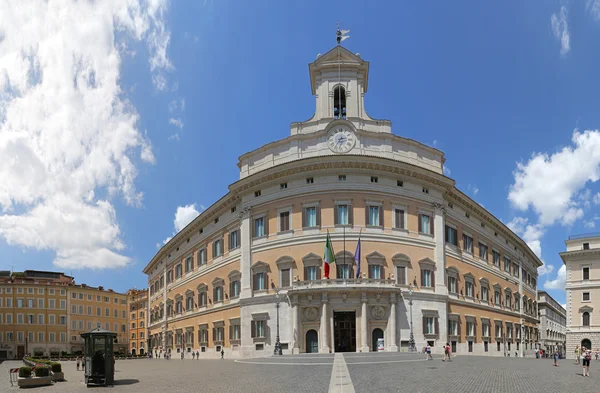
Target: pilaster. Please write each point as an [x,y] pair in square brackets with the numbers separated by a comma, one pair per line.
[440,248]
[246,253]
[324,347]
[364,323]
[393,345]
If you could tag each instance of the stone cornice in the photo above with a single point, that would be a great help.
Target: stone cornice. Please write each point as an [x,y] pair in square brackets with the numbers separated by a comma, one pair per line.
[579,254]
[457,196]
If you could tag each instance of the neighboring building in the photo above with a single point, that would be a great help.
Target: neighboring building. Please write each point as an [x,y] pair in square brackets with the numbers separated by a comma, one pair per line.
[137,304]
[343,173]
[553,323]
[582,261]
[44,312]
[91,307]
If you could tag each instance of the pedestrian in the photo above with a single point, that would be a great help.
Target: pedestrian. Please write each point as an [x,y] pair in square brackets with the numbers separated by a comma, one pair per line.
[222,352]
[537,353]
[555,358]
[193,355]
[577,353]
[446,352]
[428,352]
[197,355]
[516,354]
[181,355]
[77,361]
[597,354]
[587,357]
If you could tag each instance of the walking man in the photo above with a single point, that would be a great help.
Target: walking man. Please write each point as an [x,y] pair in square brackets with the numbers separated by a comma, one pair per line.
[197,355]
[446,352]
[556,358]
[222,353]
[577,353]
[428,352]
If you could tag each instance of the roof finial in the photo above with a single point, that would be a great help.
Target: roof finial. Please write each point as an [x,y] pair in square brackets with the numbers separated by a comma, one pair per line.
[341,35]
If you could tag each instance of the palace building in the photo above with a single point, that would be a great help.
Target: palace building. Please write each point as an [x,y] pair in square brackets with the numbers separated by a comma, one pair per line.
[137,305]
[249,270]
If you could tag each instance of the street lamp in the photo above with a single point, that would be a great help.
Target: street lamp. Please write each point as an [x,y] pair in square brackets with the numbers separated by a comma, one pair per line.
[411,341]
[277,350]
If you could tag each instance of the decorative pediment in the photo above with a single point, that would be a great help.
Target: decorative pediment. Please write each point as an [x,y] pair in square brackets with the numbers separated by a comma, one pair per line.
[285,262]
[260,265]
[400,260]
[234,274]
[452,270]
[586,308]
[484,281]
[217,281]
[311,259]
[376,257]
[469,276]
[427,262]
[178,297]
[202,287]
[498,286]
[189,293]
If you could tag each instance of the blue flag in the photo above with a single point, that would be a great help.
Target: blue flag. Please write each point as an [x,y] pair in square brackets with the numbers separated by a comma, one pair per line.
[357,258]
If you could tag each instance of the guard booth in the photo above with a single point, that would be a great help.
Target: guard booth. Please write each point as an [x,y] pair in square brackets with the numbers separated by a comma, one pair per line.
[99,357]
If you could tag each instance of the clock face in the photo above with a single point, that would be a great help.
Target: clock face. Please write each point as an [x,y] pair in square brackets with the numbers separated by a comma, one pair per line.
[341,139]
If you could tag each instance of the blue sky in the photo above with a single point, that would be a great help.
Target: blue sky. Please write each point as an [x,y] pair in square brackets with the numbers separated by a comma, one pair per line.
[119,125]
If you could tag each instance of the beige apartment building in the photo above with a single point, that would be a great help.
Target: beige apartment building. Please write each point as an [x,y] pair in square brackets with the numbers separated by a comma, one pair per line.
[553,323]
[434,266]
[137,305]
[44,312]
[582,261]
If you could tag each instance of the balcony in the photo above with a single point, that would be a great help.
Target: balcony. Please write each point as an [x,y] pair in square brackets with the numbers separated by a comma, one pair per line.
[349,284]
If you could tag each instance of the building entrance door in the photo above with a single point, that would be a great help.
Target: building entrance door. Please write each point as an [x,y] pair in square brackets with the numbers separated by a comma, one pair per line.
[344,331]
[312,341]
[20,351]
[586,343]
[376,335]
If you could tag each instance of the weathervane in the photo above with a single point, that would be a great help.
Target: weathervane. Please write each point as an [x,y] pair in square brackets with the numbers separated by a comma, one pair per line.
[341,35]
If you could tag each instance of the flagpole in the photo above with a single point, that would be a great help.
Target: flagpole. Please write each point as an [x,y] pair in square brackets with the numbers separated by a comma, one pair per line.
[345,266]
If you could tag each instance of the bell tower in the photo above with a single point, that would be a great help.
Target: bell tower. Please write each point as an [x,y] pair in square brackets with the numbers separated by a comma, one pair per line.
[339,80]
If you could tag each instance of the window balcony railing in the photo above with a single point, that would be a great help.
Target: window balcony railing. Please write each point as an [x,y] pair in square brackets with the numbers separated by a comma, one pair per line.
[345,282]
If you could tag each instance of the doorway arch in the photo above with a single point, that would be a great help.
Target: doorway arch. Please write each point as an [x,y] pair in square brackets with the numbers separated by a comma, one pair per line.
[133,351]
[586,343]
[375,335]
[141,351]
[312,341]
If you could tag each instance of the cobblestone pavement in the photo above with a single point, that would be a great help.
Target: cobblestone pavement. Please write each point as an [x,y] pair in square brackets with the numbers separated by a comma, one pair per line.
[372,372]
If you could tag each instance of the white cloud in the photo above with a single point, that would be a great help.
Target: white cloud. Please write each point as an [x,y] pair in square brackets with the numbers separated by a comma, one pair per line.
[593,7]
[177,105]
[67,130]
[591,223]
[176,122]
[174,137]
[559,282]
[596,199]
[473,189]
[550,183]
[532,235]
[560,28]
[564,305]
[183,216]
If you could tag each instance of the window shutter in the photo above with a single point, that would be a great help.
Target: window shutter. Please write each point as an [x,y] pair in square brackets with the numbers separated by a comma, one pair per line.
[422,278]
[424,325]
[266,281]
[230,288]
[305,273]
[437,326]
[458,329]
[303,217]
[266,225]
[381,216]
[382,269]
[254,282]
[231,332]
[318,272]
[253,329]
[254,228]
[431,226]
[318,214]
[214,333]
[214,294]
[350,215]
[420,224]
[369,268]
[367,208]
[433,279]
[336,219]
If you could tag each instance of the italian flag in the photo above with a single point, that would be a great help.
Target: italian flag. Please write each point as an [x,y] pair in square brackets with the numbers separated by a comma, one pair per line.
[329,256]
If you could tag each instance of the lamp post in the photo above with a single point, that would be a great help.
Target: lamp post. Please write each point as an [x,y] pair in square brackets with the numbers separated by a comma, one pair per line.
[277,350]
[411,341]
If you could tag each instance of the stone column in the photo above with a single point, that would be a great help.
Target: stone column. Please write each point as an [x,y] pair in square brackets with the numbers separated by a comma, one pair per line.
[245,253]
[295,324]
[392,346]
[364,319]
[324,347]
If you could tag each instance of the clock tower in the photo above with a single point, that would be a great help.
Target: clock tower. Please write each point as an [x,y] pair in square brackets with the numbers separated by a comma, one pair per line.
[339,80]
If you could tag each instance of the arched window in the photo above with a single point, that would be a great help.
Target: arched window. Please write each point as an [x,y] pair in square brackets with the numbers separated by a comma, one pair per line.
[586,319]
[339,103]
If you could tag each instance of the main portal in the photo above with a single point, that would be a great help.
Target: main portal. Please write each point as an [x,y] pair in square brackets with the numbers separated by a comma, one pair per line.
[344,331]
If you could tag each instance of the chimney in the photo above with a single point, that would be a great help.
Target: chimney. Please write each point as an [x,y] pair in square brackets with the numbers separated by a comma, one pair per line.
[101,288]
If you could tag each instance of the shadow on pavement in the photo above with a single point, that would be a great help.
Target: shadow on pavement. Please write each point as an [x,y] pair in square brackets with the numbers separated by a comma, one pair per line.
[126,381]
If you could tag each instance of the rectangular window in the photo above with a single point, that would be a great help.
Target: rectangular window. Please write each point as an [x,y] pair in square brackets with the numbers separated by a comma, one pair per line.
[19,303]
[586,246]
[496,297]
[586,296]
[484,294]
[40,303]
[189,264]
[515,270]
[470,329]
[343,271]
[234,239]
[178,271]
[235,289]
[73,309]
[375,272]
[507,265]
[401,275]
[399,183]
[201,258]
[107,312]
[80,310]
[40,319]
[260,282]
[452,328]
[283,186]
[469,289]
[217,248]
[426,278]
[398,218]
[310,217]
[374,179]
[285,278]
[485,330]
[496,258]
[259,329]
[51,319]
[483,252]
[373,216]
[98,311]
[468,243]
[52,337]
[341,177]
[586,273]
[507,300]
[451,236]
[429,325]
[257,193]
[425,224]
[342,215]
[310,180]
[284,221]
[452,285]
[311,273]
[259,227]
